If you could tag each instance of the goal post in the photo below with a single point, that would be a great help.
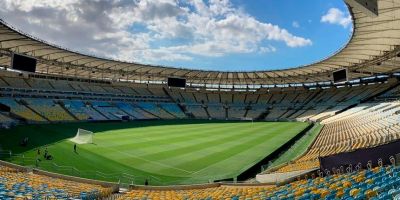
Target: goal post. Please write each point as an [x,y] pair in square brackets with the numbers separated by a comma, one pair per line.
[83,137]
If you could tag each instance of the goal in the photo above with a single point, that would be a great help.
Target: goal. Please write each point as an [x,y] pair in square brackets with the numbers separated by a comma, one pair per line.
[83,137]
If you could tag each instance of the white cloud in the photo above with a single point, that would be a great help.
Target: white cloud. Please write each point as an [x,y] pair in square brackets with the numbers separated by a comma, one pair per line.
[295,24]
[267,49]
[168,30]
[336,16]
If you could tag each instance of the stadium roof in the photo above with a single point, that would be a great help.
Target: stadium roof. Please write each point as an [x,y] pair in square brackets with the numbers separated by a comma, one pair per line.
[373,49]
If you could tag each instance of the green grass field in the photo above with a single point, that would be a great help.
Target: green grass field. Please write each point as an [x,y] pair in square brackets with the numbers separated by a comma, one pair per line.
[165,152]
[299,148]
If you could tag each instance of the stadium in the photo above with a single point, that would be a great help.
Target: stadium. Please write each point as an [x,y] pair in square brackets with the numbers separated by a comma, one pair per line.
[78,126]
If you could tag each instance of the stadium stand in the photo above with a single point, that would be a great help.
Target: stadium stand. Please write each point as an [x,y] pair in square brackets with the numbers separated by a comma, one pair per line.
[21,110]
[108,110]
[198,111]
[136,113]
[81,111]
[173,109]
[217,111]
[256,110]
[377,183]
[363,126]
[20,184]
[237,111]
[358,114]
[213,98]
[155,110]
[6,121]
[48,109]
[16,82]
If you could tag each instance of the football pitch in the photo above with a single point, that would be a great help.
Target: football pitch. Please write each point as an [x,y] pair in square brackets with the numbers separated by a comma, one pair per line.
[164,152]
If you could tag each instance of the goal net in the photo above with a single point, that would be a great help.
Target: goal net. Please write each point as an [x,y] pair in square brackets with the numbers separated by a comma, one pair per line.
[83,137]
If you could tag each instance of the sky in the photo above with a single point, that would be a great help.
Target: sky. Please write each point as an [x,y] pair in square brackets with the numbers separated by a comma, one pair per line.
[226,35]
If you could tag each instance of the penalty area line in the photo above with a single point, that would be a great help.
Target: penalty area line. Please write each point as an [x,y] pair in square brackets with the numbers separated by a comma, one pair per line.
[144,159]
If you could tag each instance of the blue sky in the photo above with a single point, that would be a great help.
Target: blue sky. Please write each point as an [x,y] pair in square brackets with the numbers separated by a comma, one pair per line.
[228,35]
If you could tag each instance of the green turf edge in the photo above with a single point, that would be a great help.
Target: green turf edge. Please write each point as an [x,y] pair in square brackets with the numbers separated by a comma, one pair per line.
[299,148]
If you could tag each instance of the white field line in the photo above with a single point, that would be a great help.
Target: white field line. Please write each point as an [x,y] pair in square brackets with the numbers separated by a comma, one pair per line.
[150,161]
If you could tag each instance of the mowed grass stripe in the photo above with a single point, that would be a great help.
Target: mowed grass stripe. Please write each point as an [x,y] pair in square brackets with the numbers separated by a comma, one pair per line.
[209,138]
[147,162]
[222,153]
[210,143]
[158,145]
[139,160]
[167,136]
[257,152]
[146,133]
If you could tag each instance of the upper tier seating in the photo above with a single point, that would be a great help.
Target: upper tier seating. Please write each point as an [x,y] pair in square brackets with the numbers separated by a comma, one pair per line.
[256,110]
[188,97]
[198,111]
[61,85]
[21,110]
[3,83]
[16,82]
[39,83]
[201,97]
[217,111]
[252,98]
[126,90]
[173,109]
[49,109]
[82,111]
[226,98]
[239,98]
[108,110]
[143,91]
[134,111]
[213,98]
[155,110]
[236,111]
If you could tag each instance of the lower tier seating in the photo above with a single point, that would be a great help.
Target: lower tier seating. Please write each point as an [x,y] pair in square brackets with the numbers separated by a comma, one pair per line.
[25,185]
[379,183]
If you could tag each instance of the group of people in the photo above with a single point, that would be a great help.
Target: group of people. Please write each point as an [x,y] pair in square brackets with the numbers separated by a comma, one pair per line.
[46,154]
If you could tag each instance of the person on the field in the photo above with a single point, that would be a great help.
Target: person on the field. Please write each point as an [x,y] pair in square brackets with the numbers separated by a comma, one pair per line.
[75,148]
[46,152]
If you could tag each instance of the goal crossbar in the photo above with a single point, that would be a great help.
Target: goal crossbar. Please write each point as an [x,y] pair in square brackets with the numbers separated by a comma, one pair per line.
[83,137]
